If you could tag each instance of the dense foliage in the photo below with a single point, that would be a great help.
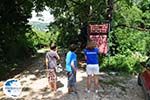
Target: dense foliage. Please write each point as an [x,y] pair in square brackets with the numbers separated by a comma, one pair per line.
[40,39]
[128,41]
[13,26]
[129,38]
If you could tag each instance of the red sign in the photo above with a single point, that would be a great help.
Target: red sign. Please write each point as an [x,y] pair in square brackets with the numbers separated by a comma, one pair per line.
[98,28]
[98,34]
[101,42]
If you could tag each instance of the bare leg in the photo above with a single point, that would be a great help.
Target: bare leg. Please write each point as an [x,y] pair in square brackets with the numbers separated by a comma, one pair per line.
[55,86]
[89,82]
[96,83]
[51,86]
[70,89]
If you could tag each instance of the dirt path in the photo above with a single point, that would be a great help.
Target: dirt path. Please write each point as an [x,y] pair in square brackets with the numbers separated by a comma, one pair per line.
[113,87]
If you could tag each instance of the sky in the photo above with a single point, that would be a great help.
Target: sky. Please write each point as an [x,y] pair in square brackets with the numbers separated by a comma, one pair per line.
[46,18]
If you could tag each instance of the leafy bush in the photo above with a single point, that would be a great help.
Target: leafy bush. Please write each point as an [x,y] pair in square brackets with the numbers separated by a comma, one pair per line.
[121,63]
[132,47]
[39,39]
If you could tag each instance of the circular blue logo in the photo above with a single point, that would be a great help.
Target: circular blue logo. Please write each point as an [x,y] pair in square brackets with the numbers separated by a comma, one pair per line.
[12,88]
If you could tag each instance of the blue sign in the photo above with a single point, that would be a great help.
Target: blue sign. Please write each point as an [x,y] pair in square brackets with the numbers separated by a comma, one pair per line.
[12,88]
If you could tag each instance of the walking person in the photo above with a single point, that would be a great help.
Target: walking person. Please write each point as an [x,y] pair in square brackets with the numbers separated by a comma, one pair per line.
[71,68]
[92,59]
[51,64]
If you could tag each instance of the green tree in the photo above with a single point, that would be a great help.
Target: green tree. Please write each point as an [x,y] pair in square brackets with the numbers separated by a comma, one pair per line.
[14,16]
[72,17]
[130,25]
[130,36]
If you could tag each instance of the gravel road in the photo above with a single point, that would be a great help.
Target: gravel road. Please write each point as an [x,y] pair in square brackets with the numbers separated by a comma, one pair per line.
[112,86]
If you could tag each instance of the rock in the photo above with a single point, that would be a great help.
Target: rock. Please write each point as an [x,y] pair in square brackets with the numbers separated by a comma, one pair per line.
[32,77]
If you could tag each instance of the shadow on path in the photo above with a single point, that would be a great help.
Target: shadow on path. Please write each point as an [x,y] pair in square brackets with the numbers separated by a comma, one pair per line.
[35,86]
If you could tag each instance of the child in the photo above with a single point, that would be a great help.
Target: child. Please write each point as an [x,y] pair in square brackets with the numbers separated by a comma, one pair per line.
[92,69]
[71,68]
[51,64]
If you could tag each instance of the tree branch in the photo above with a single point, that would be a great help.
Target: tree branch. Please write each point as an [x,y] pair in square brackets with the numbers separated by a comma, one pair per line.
[136,28]
[77,3]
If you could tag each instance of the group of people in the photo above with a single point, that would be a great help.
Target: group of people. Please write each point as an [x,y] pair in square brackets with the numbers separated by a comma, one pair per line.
[92,69]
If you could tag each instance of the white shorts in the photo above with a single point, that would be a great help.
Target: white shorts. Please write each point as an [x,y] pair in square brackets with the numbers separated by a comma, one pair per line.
[92,69]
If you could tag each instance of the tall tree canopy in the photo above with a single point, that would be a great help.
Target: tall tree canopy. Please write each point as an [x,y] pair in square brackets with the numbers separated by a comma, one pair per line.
[130,25]
[73,16]
[14,16]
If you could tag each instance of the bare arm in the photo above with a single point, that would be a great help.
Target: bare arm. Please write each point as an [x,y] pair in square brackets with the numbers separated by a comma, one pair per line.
[85,57]
[73,65]
[57,56]
[46,62]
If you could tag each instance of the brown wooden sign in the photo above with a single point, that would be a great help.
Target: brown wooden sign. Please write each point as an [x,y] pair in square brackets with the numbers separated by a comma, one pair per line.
[98,28]
[99,34]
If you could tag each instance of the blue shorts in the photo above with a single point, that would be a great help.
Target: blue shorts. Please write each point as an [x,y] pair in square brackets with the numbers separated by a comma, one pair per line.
[71,79]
